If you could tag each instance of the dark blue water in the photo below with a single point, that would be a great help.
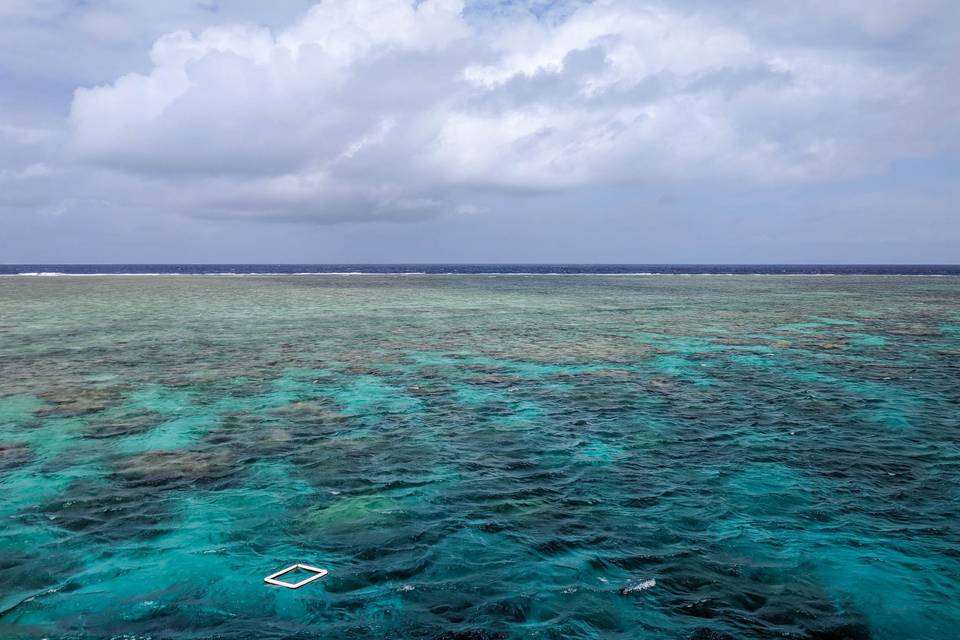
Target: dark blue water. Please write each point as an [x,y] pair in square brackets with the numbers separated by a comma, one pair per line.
[536,269]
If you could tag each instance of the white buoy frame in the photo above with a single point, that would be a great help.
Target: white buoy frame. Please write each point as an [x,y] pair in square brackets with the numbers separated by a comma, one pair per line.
[317,574]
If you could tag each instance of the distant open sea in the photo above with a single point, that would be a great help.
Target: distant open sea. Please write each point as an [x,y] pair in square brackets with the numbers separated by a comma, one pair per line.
[481,457]
[479,269]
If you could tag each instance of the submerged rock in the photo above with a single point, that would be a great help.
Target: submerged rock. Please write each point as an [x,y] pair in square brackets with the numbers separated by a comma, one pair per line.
[660,384]
[277,436]
[31,573]
[309,411]
[14,454]
[428,390]
[491,380]
[916,331]
[362,371]
[77,401]
[831,346]
[121,426]
[352,511]
[481,368]
[611,373]
[176,468]
[739,342]
[107,512]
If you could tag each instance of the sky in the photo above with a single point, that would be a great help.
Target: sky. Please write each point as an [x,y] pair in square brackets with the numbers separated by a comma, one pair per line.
[419,131]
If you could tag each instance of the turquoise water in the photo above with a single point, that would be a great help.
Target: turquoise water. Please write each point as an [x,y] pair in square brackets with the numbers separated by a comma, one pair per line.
[480,457]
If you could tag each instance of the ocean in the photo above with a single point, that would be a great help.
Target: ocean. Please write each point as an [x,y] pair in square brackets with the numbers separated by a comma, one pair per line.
[481,452]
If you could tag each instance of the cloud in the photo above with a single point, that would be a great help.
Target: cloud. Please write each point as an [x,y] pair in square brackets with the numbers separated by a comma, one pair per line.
[397,110]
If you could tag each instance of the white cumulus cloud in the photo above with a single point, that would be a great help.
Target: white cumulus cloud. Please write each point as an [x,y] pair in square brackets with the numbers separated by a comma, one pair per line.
[395,109]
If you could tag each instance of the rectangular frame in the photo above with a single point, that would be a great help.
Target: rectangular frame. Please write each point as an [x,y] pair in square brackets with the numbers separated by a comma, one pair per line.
[272,578]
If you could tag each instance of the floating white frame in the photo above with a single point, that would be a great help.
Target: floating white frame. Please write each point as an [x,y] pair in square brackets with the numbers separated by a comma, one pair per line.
[272,578]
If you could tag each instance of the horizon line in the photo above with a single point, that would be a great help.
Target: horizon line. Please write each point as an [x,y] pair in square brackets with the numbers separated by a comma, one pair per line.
[578,264]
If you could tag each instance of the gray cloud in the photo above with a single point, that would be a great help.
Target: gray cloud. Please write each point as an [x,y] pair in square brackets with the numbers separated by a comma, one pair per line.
[394,110]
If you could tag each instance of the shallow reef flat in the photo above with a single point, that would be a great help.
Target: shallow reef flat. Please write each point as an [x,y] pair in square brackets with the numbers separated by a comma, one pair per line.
[481,457]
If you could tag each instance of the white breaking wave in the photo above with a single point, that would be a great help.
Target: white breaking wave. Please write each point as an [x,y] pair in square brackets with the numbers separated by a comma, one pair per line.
[640,586]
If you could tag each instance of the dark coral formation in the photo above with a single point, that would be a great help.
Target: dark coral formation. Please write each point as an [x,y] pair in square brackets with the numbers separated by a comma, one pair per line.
[79,401]
[176,469]
[14,455]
